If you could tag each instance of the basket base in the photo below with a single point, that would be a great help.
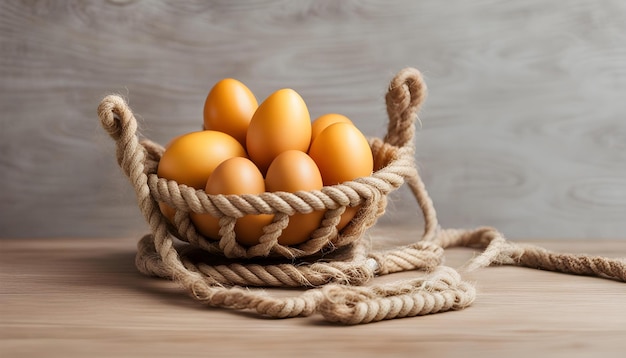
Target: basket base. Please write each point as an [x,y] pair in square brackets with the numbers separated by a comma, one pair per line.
[336,285]
[348,265]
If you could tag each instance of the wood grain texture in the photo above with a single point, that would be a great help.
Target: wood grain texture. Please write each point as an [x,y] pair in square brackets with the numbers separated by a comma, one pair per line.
[76,298]
[523,129]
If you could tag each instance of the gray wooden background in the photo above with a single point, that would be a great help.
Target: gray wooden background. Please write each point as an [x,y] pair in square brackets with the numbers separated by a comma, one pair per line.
[524,128]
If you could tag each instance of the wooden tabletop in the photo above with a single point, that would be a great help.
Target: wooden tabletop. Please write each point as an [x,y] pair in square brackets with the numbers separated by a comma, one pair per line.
[84,297]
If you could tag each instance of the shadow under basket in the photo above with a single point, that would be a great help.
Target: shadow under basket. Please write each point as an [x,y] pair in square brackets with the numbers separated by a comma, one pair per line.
[333,268]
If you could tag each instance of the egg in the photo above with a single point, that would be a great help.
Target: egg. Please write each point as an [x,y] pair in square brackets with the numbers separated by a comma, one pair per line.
[347,215]
[236,175]
[323,121]
[167,211]
[342,153]
[191,158]
[282,122]
[229,107]
[292,171]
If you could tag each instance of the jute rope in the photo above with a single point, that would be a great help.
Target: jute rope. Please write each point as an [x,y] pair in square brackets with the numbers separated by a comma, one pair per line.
[334,267]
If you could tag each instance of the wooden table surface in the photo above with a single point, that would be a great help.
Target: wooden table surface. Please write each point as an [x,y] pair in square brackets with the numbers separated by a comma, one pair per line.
[84,297]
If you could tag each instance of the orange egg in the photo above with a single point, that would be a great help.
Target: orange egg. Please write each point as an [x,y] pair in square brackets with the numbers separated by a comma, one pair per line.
[347,215]
[321,122]
[342,153]
[234,176]
[191,158]
[282,122]
[229,107]
[292,171]
[167,211]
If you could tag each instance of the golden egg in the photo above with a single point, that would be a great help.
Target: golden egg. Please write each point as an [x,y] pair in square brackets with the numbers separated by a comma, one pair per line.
[292,171]
[236,175]
[323,121]
[229,107]
[282,122]
[191,158]
[342,153]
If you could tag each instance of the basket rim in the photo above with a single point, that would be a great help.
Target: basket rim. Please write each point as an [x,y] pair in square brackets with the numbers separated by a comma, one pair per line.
[347,194]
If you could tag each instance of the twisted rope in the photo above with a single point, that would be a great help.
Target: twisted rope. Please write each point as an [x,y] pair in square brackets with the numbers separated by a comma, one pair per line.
[334,265]
[442,290]
[497,250]
[366,191]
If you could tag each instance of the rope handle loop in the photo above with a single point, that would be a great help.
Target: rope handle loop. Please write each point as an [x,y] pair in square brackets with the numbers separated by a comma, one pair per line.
[118,120]
[406,93]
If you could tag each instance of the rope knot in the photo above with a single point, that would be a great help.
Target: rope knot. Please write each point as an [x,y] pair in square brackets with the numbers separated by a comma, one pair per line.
[115,116]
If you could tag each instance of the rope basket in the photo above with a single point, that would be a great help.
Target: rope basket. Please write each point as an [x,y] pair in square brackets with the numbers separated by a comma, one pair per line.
[334,266]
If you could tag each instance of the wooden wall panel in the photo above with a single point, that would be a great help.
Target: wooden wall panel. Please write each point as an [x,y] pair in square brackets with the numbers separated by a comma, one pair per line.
[524,127]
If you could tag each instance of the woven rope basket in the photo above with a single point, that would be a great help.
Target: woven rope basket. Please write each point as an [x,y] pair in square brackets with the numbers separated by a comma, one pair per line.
[393,163]
[333,266]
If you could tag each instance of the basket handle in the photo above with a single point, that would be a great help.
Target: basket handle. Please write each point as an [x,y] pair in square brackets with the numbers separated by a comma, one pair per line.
[406,93]
[120,123]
